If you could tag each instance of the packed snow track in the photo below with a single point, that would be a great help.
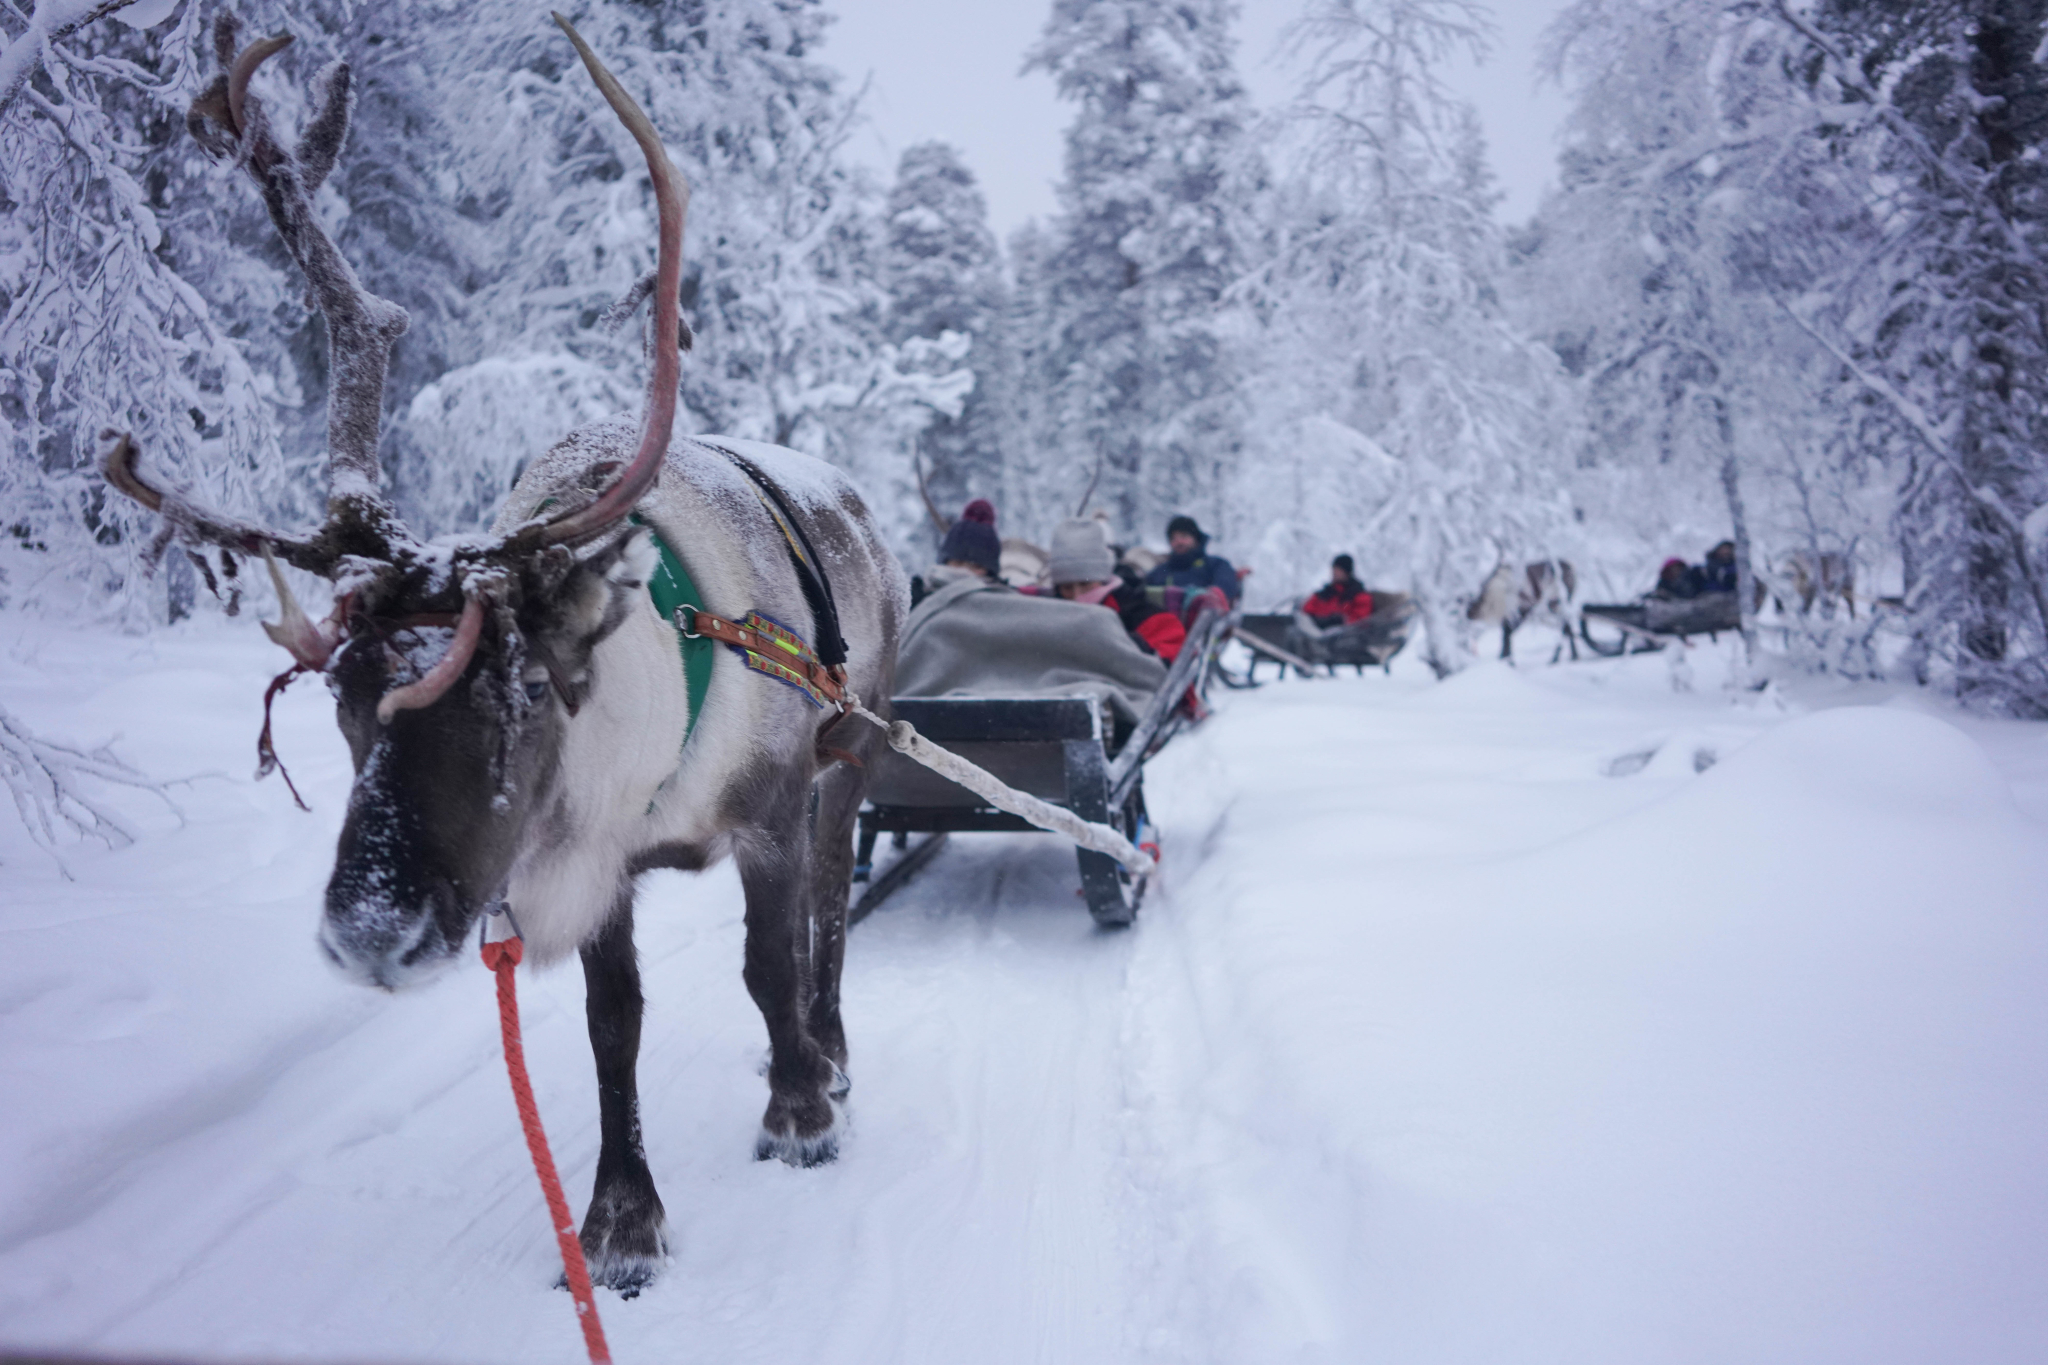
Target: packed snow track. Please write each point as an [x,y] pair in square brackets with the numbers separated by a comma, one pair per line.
[1542,1015]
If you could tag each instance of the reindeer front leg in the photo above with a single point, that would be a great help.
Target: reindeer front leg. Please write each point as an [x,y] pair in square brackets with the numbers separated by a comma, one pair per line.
[802,1122]
[625,1234]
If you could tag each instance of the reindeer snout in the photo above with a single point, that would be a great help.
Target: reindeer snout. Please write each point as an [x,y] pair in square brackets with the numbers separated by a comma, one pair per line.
[377,939]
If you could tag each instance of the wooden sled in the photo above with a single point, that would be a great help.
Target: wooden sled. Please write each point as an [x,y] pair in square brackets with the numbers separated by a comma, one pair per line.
[1372,643]
[1651,624]
[1060,749]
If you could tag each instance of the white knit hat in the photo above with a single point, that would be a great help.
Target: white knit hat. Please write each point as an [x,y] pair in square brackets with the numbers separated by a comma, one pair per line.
[1080,553]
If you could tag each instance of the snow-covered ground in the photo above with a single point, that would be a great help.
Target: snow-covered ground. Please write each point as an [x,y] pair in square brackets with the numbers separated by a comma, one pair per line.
[1544,1015]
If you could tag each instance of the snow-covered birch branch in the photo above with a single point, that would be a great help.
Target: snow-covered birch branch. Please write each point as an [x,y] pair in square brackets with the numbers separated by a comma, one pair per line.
[1929,434]
[51,786]
[52,20]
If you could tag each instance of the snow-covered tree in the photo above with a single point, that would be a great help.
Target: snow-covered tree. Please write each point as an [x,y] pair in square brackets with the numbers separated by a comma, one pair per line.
[1146,396]
[944,276]
[486,191]
[1037,491]
[1642,246]
[1408,421]
[1941,324]
[782,275]
[1801,243]
[102,318]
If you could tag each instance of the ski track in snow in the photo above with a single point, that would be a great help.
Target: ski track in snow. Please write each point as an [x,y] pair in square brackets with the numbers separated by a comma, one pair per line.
[1437,1043]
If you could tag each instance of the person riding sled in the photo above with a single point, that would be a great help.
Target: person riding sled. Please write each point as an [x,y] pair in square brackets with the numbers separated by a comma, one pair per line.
[1717,572]
[971,549]
[1677,581]
[1084,569]
[1192,569]
[1691,599]
[1343,601]
[973,635]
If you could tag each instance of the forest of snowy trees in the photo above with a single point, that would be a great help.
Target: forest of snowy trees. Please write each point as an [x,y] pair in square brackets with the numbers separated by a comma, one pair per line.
[1789,289]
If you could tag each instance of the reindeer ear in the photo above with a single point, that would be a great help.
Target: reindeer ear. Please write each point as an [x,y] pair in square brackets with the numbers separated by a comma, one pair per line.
[605,587]
[637,559]
[627,559]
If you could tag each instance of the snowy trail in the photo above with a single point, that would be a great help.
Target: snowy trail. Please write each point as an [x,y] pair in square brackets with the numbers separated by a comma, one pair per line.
[1423,1052]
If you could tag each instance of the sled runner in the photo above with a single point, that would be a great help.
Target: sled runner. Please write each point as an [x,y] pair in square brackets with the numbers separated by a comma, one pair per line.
[1266,637]
[1070,750]
[1642,627]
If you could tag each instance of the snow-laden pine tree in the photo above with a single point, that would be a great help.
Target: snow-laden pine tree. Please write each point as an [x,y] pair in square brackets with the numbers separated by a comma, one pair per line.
[782,259]
[1404,419]
[944,275]
[1146,390]
[1802,243]
[1636,258]
[1037,487]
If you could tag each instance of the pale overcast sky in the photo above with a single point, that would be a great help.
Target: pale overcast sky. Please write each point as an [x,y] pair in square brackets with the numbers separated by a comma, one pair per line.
[949,69]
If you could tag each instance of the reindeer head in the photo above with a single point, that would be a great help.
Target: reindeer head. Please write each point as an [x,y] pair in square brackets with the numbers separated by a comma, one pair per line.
[457,666]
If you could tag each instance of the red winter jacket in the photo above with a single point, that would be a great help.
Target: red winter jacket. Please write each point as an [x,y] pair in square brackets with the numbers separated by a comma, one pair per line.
[1339,605]
[1157,630]
[1161,630]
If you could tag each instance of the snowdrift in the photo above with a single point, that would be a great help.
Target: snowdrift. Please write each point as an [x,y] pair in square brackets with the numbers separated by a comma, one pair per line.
[1751,1072]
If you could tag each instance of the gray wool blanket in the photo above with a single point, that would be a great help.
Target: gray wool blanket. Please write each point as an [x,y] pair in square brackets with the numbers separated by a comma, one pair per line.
[974,638]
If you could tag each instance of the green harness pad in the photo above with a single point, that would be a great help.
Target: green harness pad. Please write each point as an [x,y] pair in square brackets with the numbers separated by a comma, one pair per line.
[671,586]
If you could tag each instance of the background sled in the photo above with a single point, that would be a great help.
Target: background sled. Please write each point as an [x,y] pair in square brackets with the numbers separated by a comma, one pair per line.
[1372,643]
[1640,627]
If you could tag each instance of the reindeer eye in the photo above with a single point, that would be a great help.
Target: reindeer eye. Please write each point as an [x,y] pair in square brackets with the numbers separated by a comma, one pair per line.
[536,690]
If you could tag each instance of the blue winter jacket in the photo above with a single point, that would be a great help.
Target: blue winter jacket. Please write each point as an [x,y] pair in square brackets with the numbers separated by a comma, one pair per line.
[1195,571]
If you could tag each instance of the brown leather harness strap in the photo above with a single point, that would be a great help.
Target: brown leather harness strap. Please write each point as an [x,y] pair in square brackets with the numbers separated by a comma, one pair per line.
[827,684]
[830,683]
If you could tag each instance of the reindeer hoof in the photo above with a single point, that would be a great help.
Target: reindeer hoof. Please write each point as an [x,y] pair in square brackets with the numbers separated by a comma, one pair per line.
[819,1149]
[627,1274]
[805,1134]
[625,1241]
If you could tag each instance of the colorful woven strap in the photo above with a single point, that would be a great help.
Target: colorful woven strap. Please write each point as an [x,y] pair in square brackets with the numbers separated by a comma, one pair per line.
[772,650]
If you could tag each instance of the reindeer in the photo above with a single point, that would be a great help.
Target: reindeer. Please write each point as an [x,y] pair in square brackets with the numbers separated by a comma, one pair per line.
[1823,576]
[528,731]
[1513,593]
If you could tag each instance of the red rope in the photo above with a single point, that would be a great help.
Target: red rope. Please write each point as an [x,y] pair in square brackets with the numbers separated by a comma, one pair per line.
[501,958]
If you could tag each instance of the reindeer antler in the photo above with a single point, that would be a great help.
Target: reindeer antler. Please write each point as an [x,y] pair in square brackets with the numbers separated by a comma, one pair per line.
[229,120]
[917,464]
[191,521]
[672,196]
[360,326]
